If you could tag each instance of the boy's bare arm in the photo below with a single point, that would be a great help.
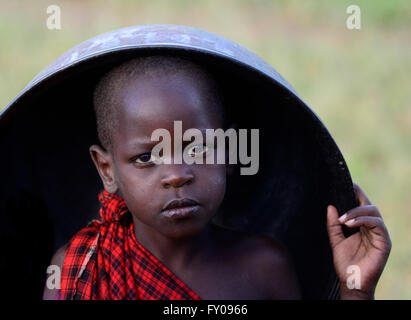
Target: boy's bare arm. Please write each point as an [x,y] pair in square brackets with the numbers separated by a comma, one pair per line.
[57,259]
[274,270]
[285,283]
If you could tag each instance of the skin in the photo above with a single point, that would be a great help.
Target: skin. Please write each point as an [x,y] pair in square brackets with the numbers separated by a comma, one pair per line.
[232,265]
[368,249]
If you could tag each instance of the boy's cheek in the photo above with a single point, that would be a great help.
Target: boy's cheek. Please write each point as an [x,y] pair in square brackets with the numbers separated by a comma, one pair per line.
[214,185]
[212,175]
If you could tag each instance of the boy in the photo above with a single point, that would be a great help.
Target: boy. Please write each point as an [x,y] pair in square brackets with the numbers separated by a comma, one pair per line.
[155,239]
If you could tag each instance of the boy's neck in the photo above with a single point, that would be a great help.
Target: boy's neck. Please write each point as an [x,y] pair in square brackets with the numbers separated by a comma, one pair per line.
[175,253]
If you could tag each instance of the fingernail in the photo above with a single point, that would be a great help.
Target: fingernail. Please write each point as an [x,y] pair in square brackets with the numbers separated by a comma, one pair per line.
[342,218]
[350,222]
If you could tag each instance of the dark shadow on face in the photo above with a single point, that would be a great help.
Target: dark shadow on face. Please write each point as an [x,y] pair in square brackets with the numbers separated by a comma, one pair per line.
[153,103]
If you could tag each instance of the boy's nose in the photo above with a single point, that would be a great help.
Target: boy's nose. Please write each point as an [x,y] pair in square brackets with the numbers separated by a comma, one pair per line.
[176,176]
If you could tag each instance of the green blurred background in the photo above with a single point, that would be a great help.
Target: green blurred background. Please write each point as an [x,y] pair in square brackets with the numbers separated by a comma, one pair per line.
[357,81]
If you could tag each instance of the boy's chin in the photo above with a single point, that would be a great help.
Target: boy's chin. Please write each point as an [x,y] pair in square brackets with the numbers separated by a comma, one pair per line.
[185,231]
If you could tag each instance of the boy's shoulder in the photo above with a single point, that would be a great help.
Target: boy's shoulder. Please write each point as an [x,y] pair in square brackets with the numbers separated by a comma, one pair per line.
[263,261]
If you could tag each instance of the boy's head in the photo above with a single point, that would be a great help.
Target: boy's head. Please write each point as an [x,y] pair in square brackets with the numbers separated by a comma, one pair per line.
[132,101]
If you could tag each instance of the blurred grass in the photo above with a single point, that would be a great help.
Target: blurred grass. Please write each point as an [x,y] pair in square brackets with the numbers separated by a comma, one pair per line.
[357,81]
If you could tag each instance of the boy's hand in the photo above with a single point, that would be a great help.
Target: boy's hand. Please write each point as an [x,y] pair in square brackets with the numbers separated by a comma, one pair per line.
[366,250]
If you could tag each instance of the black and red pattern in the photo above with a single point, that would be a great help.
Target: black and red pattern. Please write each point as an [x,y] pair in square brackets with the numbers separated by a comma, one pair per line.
[105,261]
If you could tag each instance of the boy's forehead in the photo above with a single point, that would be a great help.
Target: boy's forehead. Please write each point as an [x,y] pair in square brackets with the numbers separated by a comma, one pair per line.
[145,105]
[161,98]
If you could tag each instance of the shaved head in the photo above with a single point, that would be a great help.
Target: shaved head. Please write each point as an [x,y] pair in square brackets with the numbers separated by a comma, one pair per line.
[109,92]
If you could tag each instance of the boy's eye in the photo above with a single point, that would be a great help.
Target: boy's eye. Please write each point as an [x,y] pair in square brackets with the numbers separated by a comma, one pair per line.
[144,158]
[197,150]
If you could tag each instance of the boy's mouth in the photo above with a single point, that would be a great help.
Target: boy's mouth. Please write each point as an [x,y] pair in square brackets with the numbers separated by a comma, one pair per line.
[180,208]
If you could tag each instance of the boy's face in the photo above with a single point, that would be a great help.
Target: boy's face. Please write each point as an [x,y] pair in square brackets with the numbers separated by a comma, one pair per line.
[146,105]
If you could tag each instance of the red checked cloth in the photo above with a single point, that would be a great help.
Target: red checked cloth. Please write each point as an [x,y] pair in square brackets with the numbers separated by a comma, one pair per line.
[105,261]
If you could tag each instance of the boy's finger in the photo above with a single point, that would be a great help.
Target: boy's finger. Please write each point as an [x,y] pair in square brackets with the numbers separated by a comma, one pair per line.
[369,210]
[374,223]
[334,228]
[361,196]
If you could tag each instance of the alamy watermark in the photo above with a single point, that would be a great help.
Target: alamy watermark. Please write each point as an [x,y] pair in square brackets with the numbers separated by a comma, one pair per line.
[354,19]
[354,280]
[53,21]
[214,149]
[53,280]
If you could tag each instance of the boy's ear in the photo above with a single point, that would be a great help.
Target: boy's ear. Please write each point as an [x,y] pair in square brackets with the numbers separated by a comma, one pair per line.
[104,163]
